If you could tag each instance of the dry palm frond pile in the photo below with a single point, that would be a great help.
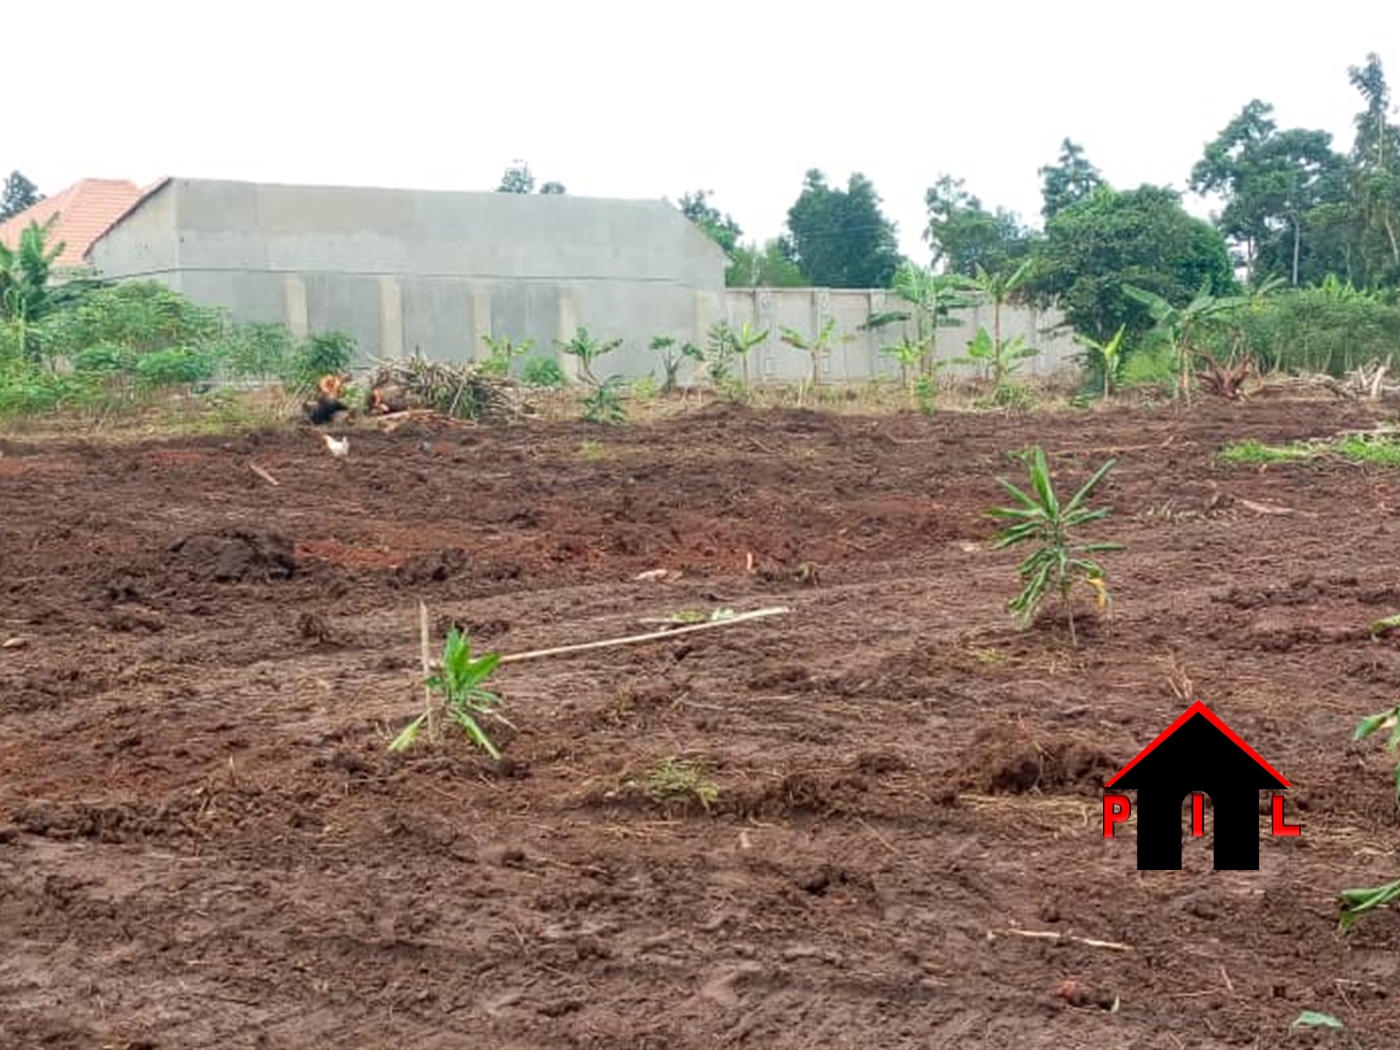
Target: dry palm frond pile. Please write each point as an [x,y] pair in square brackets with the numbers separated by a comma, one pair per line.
[459,391]
[1368,382]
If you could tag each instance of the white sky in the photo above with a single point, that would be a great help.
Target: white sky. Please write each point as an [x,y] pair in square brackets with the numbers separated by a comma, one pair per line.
[654,97]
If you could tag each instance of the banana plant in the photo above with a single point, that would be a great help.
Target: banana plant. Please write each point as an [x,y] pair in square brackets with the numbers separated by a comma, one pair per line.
[587,350]
[1000,288]
[725,344]
[671,358]
[1180,325]
[1107,357]
[819,346]
[934,297]
[998,358]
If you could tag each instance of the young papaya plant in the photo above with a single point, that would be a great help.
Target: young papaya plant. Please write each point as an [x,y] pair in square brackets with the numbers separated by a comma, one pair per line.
[1058,560]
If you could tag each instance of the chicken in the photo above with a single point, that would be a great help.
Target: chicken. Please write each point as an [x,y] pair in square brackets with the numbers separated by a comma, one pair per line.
[328,403]
[338,447]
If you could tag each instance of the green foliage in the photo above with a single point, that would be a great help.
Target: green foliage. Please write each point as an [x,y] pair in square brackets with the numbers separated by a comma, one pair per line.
[769,265]
[501,352]
[1104,360]
[1151,365]
[1330,329]
[1354,449]
[1374,723]
[19,195]
[720,228]
[518,178]
[604,403]
[1185,328]
[31,391]
[671,358]
[460,684]
[1068,181]
[724,345]
[1272,181]
[174,366]
[964,235]
[1356,903]
[840,238]
[587,350]
[320,354]
[1058,560]
[543,373]
[999,359]
[139,316]
[1110,240]
[25,297]
[255,351]
[819,346]
[933,298]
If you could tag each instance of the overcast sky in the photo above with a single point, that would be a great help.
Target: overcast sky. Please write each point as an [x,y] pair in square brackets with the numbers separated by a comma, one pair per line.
[654,97]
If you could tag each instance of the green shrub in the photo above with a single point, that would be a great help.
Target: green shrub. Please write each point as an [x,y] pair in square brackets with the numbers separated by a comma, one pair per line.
[139,316]
[1314,330]
[543,372]
[177,366]
[1152,365]
[256,351]
[103,359]
[325,353]
[31,391]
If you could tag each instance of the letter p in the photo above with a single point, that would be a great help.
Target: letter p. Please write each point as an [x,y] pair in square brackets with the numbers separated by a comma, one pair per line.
[1116,809]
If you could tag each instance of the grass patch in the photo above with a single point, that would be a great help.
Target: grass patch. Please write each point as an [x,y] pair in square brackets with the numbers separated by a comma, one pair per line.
[1353,449]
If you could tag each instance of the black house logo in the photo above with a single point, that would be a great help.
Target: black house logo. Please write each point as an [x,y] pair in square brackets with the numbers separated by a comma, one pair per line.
[1199,755]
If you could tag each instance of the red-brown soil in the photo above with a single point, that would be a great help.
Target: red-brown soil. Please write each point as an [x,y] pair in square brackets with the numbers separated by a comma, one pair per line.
[205,844]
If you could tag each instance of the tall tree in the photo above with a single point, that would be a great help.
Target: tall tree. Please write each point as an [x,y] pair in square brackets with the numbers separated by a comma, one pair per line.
[19,194]
[1271,181]
[721,228]
[1140,237]
[1376,182]
[964,235]
[840,238]
[1068,181]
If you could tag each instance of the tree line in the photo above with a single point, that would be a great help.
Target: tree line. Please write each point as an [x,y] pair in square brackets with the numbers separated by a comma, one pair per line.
[1296,210]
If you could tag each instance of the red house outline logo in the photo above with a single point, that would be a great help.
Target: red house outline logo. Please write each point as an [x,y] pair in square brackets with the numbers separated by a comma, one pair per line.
[1199,755]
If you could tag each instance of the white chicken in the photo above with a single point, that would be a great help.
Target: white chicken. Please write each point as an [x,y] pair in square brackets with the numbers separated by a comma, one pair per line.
[338,447]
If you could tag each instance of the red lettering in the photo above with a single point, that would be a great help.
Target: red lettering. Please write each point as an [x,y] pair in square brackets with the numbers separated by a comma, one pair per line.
[1116,809]
[1280,828]
[1198,815]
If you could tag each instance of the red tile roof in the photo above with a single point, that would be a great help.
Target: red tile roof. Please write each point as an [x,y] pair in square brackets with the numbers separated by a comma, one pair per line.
[86,210]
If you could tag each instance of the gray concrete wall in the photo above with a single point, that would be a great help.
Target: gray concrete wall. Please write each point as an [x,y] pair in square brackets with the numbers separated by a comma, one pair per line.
[405,272]
[857,356]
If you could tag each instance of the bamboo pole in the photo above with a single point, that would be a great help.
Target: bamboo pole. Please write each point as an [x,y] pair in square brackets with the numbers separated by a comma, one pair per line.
[648,637]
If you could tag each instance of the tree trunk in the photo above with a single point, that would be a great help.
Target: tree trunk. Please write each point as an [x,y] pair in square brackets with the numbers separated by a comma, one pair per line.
[1297,239]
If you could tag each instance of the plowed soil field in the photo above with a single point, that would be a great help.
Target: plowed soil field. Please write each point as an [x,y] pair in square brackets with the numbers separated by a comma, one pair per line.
[204,842]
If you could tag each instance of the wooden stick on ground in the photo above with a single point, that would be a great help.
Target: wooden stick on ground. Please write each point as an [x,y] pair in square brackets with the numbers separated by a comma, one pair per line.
[263,474]
[1049,935]
[649,637]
